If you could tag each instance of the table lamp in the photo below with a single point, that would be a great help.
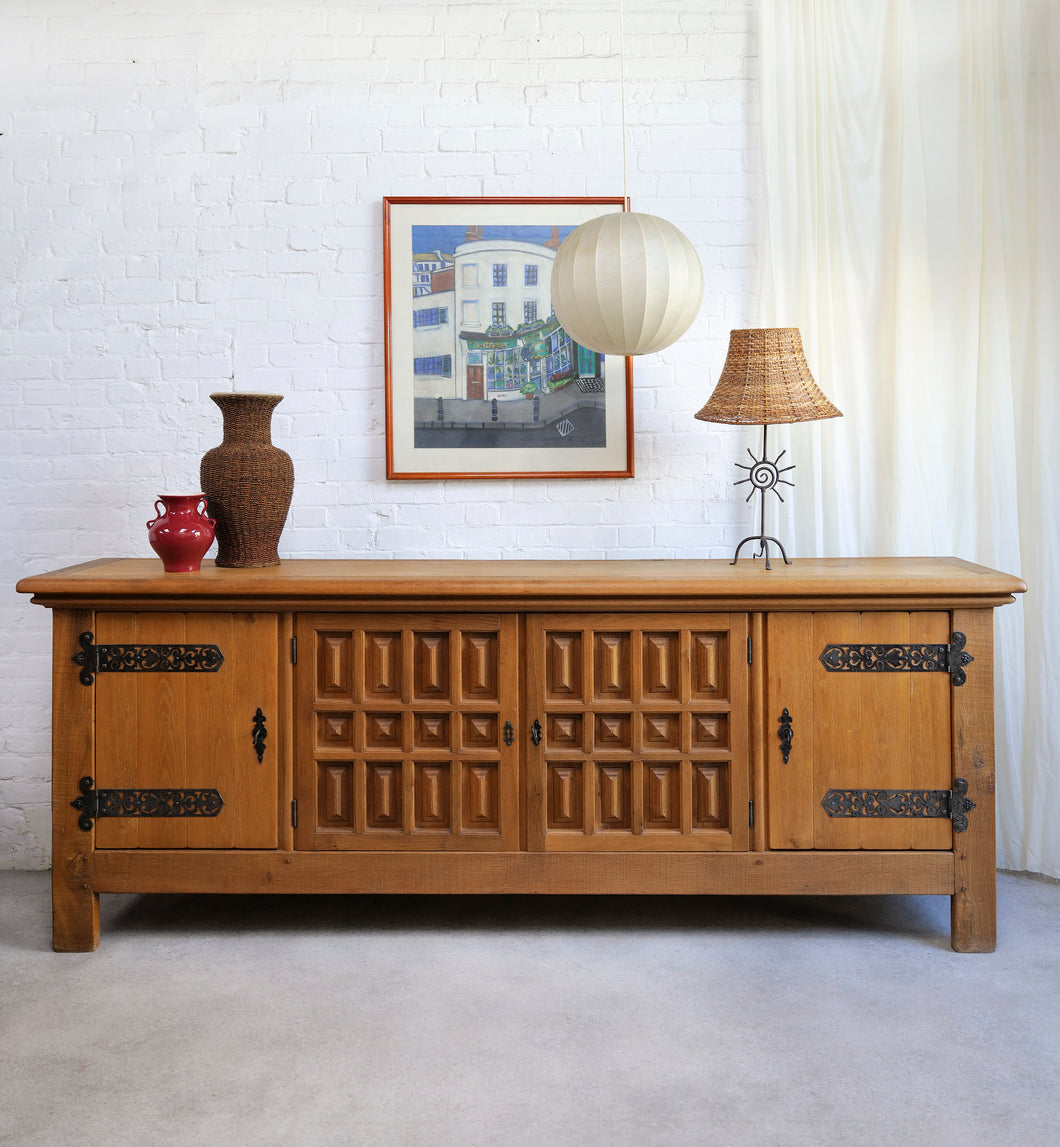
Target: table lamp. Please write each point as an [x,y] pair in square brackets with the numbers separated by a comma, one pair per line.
[765,380]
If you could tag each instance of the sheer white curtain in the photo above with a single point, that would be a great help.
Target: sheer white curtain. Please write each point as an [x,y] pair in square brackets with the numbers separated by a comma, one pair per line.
[912,159]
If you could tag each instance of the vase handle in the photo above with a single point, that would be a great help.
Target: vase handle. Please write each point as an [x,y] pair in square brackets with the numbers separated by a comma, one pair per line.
[201,507]
[160,513]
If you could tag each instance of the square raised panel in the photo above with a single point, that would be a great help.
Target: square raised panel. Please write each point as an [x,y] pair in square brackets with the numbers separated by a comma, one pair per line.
[660,731]
[662,797]
[430,666]
[710,796]
[564,797]
[564,731]
[661,654]
[611,654]
[382,730]
[430,731]
[710,730]
[709,653]
[480,731]
[612,730]
[335,731]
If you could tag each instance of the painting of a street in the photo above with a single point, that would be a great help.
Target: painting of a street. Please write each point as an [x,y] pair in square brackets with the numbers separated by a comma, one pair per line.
[492,367]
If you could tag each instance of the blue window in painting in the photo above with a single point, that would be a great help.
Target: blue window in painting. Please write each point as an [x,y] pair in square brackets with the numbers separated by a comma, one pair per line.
[430,317]
[500,274]
[501,371]
[500,313]
[438,364]
[530,275]
[529,312]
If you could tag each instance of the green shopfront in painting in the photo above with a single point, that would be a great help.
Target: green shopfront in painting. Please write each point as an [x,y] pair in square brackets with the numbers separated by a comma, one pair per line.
[488,352]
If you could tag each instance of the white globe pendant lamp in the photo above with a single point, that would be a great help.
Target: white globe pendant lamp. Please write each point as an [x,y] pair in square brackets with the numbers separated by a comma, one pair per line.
[626,284]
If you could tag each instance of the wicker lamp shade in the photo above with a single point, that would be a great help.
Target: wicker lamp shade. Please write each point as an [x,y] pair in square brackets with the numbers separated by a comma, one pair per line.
[766,381]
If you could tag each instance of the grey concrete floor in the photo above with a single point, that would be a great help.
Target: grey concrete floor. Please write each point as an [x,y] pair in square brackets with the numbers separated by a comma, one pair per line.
[539,1021]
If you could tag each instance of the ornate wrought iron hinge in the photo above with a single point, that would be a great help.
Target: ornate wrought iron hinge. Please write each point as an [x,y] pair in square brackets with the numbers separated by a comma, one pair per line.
[95,803]
[949,659]
[95,659]
[952,804]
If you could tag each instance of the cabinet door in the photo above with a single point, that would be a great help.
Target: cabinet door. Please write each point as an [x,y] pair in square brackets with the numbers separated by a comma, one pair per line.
[189,730]
[857,729]
[405,732]
[644,724]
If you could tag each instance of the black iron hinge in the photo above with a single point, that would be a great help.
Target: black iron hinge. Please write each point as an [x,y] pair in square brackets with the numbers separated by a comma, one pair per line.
[95,803]
[951,804]
[891,658]
[95,659]
[294,813]
[750,650]
[294,650]
[750,814]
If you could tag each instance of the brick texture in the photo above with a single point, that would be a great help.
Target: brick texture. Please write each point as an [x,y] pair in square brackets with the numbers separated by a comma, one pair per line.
[190,200]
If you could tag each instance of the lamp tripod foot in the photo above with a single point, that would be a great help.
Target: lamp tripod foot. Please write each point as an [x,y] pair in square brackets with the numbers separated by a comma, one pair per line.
[763,549]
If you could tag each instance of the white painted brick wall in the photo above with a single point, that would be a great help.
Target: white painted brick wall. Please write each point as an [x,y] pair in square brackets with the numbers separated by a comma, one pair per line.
[190,201]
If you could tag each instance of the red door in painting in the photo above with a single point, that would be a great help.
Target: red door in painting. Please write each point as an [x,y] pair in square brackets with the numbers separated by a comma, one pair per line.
[475,388]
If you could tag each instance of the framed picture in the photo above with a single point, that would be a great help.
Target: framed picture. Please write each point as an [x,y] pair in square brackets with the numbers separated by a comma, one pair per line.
[481,379]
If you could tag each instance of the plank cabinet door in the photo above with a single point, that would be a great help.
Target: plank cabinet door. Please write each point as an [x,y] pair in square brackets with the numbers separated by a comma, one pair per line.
[405,732]
[856,728]
[189,730]
[643,732]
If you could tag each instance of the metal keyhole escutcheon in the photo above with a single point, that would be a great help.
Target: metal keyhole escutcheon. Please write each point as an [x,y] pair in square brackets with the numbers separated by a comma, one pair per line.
[535,732]
[785,734]
[259,734]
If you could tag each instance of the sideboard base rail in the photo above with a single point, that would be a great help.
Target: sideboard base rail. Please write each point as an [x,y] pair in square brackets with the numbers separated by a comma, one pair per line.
[461,873]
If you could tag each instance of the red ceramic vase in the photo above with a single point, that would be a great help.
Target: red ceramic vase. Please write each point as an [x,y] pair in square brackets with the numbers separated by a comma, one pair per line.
[182,532]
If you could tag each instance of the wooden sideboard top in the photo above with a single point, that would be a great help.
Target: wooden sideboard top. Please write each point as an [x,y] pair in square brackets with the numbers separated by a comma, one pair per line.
[823,583]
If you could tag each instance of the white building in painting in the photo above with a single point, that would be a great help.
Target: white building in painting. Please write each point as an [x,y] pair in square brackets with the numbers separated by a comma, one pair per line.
[484,328]
[501,285]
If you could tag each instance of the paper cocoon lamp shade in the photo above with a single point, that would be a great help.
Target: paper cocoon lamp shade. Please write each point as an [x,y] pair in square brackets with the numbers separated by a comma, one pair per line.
[626,283]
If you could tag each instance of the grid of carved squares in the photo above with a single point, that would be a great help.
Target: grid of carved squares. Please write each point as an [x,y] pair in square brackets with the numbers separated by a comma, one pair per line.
[408,738]
[637,732]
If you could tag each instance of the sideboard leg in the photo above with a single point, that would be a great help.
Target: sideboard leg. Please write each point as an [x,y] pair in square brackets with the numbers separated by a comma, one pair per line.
[75,904]
[973,907]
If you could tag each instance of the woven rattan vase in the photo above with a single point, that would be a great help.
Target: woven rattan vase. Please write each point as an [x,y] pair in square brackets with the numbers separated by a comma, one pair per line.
[248,482]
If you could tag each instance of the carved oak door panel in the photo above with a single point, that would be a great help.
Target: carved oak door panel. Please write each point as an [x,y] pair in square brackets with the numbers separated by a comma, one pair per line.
[643,732]
[183,729]
[879,719]
[405,732]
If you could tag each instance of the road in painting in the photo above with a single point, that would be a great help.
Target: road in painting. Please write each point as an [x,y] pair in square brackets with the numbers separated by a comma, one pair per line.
[492,367]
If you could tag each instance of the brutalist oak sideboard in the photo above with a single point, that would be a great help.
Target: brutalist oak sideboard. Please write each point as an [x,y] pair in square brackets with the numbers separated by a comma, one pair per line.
[524,727]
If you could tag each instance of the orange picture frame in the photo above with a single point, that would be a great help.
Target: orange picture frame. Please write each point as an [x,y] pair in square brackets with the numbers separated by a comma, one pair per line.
[481,379]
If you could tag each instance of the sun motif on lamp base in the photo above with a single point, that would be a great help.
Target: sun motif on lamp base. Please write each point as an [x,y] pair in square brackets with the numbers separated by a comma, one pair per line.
[763,475]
